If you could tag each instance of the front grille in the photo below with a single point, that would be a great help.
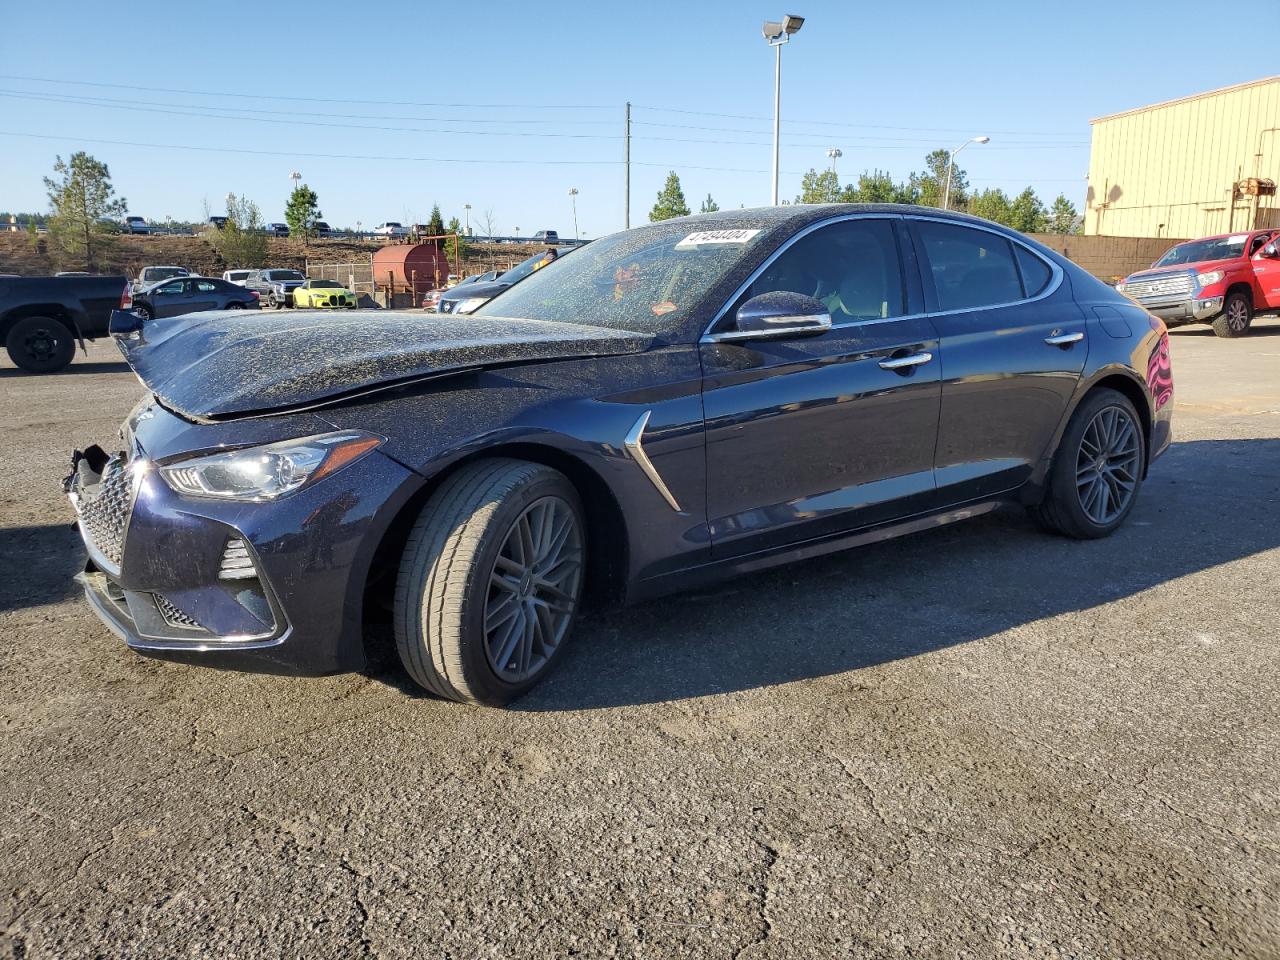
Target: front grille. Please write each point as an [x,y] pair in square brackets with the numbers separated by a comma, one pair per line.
[173,616]
[1159,287]
[104,514]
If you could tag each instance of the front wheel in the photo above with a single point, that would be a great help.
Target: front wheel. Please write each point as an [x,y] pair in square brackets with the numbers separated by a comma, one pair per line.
[40,344]
[1097,469]
[1236,316]
[490,581]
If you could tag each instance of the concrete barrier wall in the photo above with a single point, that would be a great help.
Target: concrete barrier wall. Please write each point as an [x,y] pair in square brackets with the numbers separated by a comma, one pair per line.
[1107,258]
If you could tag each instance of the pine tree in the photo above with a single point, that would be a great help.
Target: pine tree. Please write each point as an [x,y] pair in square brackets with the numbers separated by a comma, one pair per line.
[83,204]
[991,205]
[435,226]
[241,242]
[1062,216]
[1026,213]
[878,187]
[819,187]
[709,205]
[456,246]
[671,202]
[931,186]
[302,212]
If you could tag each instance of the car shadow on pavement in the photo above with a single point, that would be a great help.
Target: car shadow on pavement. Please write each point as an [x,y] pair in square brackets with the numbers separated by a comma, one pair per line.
[49,556]
[90,366]
[918,594]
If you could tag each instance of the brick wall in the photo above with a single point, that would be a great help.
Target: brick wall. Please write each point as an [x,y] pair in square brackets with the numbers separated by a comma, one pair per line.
[1108,257]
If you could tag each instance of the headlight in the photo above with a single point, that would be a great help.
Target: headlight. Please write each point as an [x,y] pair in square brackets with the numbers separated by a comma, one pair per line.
[470,304]
[267,472]
[1209,277]
[1120,287]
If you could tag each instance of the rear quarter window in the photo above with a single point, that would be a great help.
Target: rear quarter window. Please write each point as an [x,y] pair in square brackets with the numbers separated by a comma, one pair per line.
[1035,272]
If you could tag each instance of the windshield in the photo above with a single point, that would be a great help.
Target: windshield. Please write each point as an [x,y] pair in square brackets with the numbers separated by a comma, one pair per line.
[163,273]
[647,279]
[284,275]
[1197,251]
[323,284]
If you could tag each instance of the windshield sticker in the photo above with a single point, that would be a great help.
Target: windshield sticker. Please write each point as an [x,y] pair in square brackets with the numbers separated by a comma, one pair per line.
[704,238]
[1237,240]
[666,306]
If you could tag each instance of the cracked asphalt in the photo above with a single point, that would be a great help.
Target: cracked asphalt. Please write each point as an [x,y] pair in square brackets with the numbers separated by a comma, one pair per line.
[977,742]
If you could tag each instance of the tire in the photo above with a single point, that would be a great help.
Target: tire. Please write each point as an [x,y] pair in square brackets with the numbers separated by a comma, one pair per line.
[1236,316]
[235,306]
[461,567]
[40,344]
[273,301]
[1074,503]
[144,311]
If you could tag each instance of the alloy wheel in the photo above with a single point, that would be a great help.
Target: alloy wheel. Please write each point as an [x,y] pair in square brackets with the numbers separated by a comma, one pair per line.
[1237,315]
[1107,465]
[533,589]
[41,344]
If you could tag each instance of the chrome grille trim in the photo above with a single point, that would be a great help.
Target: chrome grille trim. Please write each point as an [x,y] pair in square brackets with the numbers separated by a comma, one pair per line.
[1159,287]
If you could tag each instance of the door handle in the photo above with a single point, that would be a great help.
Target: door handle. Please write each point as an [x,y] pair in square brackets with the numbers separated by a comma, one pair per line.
[901,363]
[1064,339]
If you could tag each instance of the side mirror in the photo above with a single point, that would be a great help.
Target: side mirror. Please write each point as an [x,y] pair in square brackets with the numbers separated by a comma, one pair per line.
[1270,252]
[124,323]
[781,313]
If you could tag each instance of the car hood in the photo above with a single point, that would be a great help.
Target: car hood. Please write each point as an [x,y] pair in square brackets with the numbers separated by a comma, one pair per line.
[490,289]
[217,365]
[1201,266]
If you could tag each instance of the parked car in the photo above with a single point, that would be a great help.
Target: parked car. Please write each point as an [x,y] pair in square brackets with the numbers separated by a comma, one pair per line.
[1224,281]
[673,404]
[41,318]
[473,296]
[431,299]
[136,225]
[172,298]
[390,229]
[315,294]
[217,223]
[238,277]
[275,286]
[323,229]
[277,229]
[150,276]
[546,236]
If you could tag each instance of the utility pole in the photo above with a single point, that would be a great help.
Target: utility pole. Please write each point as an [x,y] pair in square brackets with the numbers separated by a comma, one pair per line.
[626,163]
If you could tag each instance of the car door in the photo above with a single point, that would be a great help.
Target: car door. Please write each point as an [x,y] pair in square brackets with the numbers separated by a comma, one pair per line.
[1014,343]
[811,435]
[203,295]
[170,299]
[1266,273]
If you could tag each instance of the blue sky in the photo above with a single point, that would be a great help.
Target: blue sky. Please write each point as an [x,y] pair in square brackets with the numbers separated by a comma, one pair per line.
[507,105]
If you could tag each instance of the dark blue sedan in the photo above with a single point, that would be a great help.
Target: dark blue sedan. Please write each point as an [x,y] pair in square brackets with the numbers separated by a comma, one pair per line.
[689,400]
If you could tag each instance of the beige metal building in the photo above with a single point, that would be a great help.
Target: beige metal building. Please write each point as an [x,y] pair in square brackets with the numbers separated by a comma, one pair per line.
[1192,167]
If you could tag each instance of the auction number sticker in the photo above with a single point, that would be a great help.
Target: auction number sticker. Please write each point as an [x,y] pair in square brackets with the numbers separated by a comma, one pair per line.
[706,238]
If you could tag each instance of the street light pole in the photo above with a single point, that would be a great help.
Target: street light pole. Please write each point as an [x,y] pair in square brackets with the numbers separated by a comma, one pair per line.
[776,33]
[835,153]
[295,177]
[946,193]
[573,199]
[467,208]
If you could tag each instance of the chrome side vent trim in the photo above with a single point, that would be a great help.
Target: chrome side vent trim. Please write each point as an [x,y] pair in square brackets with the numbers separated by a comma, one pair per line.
[636,449]
[236,562]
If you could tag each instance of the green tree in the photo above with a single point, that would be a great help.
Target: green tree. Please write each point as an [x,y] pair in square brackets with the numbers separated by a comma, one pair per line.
[455,246]
[435,226]
[992,205]
[302,212]
[708,205]
[241,242]
[1026,213]
[671,202]
[930,185]
[877,186]
[1062,216]
[83,207]
[819,187]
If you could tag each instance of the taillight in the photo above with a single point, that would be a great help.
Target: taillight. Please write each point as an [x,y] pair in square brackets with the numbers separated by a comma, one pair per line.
[255,294]
[126,298]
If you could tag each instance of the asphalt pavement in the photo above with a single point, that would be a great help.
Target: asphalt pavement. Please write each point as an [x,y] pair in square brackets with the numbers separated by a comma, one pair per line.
[978,742]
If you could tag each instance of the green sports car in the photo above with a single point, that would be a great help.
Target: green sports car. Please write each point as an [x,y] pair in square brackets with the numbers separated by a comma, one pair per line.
[323,293]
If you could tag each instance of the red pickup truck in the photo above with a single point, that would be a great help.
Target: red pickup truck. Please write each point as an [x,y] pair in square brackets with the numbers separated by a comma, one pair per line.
[1223,281]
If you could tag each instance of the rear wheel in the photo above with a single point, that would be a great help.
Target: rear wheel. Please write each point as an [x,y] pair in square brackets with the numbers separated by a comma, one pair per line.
[490,581]
[1097,469]
[40,344]
[144,311]
[1236,316]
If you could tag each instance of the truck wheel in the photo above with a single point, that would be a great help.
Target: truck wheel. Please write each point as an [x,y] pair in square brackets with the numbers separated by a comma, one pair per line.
[1237,314]
[490,580]
[40,344]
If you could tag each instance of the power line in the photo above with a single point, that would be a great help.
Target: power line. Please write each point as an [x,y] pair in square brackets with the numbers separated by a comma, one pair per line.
[267,96]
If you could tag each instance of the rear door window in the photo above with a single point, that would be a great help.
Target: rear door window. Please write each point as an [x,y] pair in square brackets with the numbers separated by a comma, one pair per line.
[970,268]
